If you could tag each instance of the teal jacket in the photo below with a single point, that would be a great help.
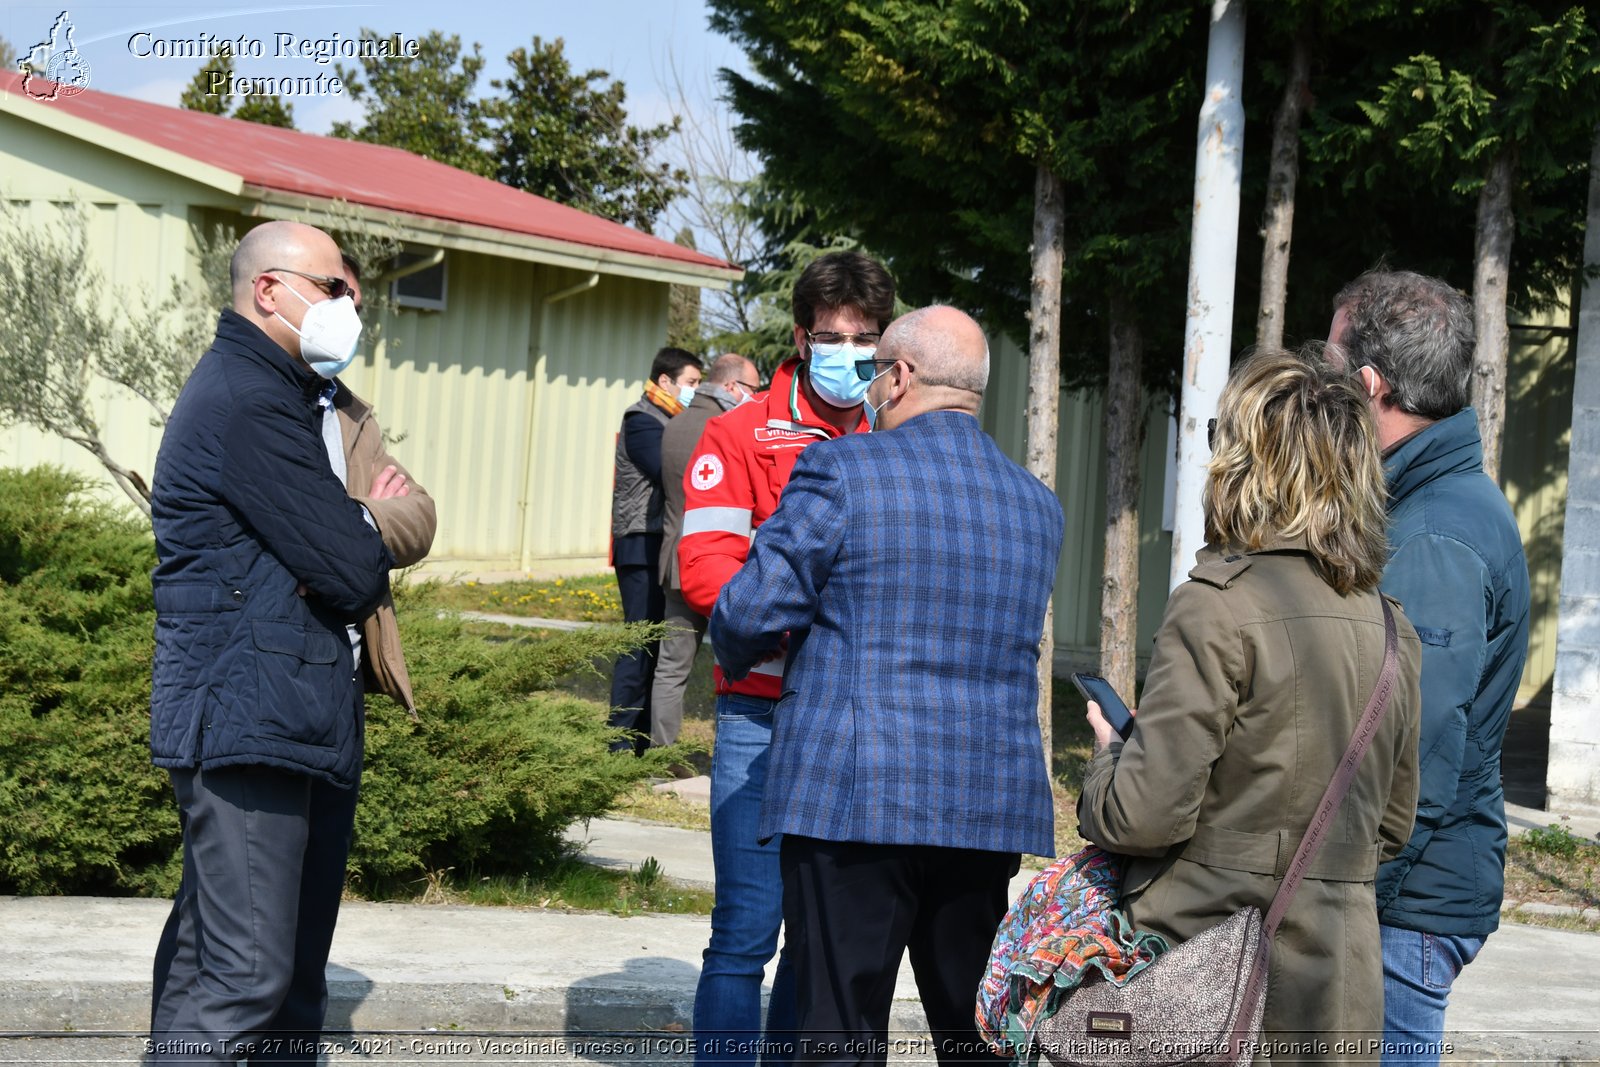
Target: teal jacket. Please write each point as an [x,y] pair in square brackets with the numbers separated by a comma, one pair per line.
[1456,564]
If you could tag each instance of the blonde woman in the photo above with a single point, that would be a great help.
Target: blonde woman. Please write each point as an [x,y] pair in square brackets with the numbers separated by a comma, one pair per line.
[1263,663]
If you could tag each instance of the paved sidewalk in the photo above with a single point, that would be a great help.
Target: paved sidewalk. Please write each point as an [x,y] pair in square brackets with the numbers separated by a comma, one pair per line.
[83,964]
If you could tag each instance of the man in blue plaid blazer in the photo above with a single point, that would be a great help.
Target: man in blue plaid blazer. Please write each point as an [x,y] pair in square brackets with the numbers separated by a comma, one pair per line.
[908,571]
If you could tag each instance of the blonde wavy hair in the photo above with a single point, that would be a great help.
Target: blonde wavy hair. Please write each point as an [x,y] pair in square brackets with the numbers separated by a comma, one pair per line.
[1296,454]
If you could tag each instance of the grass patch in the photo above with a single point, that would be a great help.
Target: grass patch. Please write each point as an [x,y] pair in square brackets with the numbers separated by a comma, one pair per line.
[1072,743]
[568,885]
[590,598]
[1552,866]
[644,804]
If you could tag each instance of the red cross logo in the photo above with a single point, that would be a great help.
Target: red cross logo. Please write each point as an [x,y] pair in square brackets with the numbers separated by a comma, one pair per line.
[706,472]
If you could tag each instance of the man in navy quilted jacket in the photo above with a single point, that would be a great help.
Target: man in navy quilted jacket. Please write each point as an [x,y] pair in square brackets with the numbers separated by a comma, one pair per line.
[909,568]
[256,701]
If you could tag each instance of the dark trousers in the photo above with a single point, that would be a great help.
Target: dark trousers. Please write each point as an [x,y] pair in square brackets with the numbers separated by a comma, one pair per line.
[240,970]
[635,672]
[851,910]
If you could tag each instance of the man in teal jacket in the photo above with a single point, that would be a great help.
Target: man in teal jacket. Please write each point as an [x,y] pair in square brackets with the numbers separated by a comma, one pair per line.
[1456,564]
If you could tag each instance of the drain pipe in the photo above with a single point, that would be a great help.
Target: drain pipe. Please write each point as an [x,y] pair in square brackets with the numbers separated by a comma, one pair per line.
[573,290]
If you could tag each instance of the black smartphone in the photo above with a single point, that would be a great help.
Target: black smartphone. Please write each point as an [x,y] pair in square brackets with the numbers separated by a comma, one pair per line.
[1095,688]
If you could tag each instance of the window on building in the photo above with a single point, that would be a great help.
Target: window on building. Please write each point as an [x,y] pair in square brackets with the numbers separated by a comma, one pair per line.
[423,288]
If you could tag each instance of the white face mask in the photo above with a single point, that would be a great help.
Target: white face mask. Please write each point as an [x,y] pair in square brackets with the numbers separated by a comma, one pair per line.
[328,334]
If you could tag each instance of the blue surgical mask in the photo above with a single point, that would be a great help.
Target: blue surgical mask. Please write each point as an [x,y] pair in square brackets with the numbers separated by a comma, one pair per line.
[685,395]
[833,374]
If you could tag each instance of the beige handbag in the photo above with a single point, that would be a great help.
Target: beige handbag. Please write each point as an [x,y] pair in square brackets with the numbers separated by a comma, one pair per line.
[1202,1002]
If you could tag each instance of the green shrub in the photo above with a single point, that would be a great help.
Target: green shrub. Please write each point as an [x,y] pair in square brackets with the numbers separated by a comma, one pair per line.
[495,766]
[81,808]
[1554,840]
[498,762]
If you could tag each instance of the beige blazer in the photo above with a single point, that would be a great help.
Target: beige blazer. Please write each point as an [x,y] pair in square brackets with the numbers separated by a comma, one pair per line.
[407,525]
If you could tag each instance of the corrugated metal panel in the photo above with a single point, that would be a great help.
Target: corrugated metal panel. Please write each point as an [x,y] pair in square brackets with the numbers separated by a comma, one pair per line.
[595,350]
[455,387]
[1080,483]
[139,248]
[1533,470]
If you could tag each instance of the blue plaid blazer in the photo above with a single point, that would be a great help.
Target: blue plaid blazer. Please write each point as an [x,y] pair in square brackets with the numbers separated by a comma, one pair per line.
[911,570]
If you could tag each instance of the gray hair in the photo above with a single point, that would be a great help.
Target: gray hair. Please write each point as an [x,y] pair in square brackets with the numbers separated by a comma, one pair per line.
[1416,332]
[943,352]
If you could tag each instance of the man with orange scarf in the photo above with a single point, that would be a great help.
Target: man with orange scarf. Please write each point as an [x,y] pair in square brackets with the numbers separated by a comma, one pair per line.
[636,502]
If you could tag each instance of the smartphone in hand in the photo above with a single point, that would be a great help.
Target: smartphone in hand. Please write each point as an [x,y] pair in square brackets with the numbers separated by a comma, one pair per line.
[1095,688]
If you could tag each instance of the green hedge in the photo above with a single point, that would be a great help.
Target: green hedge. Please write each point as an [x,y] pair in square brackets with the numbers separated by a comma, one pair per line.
[499,762]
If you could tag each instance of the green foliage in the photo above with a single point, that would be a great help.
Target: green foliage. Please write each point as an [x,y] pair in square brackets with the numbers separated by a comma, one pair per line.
[960,102]
[201,94]
[497,764]
[577,885]
[544,129]
[1555,840]
[427,105]
[495,767]
[82,808]
[1410,113]
[565,136]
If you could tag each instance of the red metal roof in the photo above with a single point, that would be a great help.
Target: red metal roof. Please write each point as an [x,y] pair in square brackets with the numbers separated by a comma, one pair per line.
[368,174]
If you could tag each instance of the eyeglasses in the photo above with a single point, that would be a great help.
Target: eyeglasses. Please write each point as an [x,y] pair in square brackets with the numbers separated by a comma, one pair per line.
[868,341]
[867,369]
[334,286]
[1211,434]
[754,387]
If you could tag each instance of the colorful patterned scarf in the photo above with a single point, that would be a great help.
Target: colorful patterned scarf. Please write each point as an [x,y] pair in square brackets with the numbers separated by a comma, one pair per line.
[1065,923]
[662,399]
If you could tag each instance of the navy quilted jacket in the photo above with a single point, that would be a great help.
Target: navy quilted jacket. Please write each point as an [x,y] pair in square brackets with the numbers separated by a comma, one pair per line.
[246,508]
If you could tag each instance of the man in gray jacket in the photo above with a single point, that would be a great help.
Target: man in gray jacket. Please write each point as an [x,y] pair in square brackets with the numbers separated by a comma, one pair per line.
[731,381]
[1456,563]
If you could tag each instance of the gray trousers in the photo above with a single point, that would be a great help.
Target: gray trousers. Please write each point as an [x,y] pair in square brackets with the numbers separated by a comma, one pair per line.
[684,634]
[240,971]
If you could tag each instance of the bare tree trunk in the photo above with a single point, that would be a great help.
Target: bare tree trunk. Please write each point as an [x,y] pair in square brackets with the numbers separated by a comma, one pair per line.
[1278,226]
[1491,271]
[1124,427]
[127,480]
[1044,387]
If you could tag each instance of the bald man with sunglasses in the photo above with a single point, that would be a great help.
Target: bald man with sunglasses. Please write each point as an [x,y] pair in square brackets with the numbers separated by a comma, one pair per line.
[264,566]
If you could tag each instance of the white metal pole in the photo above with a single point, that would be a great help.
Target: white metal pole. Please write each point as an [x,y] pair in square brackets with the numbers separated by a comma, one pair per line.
[1208,331]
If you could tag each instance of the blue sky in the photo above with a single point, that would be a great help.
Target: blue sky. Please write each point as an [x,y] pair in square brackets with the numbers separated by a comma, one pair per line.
[637,41]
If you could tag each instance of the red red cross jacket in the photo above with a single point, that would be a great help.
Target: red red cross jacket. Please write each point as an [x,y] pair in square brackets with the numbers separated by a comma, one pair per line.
[732,486]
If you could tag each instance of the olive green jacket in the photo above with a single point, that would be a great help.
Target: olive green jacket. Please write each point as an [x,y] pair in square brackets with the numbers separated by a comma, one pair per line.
[1259,675]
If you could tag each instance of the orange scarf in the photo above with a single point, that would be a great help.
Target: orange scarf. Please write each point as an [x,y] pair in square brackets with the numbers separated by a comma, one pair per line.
[662,399]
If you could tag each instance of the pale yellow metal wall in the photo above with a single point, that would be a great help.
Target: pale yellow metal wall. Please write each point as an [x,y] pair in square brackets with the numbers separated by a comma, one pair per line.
[138,236]
[594,353]
[452,389]
[1080,483]
[1534,476]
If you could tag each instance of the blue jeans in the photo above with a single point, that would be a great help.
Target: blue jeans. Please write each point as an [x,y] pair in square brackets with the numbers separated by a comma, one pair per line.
[749,905]
[1418,970]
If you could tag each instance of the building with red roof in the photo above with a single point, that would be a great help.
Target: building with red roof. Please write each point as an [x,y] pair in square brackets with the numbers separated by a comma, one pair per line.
[520,328]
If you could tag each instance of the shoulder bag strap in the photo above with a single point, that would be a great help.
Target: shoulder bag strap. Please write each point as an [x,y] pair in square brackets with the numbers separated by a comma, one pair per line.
[1366,730]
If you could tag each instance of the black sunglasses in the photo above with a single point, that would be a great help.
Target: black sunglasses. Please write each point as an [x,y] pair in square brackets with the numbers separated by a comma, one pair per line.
[335,287]
[867,369]
[1211,434]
